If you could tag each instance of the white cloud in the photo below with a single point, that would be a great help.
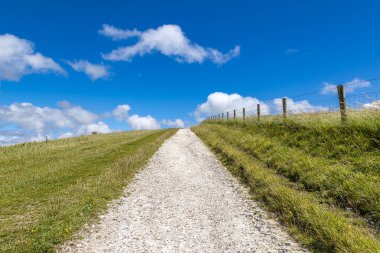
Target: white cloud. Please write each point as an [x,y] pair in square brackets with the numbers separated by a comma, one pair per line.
[177,123]
[99,127]
[328,88]
[349,86]
[296,106]
[121,112]
[9,137]
[93,71]
[137,122]
[39,138]
[169,40]
[17,58]
[34,123]
[34,118]
[118,34]
[79,115]
[374,105]
[66,135]
[290,51]
[219,102]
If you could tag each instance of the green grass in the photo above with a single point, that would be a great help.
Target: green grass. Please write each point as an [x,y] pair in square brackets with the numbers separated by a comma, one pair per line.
[321,177]
[50,190]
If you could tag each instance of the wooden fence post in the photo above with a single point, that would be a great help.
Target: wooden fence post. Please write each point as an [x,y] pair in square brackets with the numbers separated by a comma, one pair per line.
[342,103]
[228,115]
[234,114]
[284,108]
[244,114]
[222,115]
[258,112]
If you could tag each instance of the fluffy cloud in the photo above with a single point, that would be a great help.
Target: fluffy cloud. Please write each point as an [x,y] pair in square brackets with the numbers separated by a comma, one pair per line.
[99,127]
[9,137]
[296,106]
[93,71]
[34,123]
[137,122]
[349,86]
[169,40]
[121,112]
[34,118]
[79,115]
[178,123]
[219,102]
[17,58]
[374,105]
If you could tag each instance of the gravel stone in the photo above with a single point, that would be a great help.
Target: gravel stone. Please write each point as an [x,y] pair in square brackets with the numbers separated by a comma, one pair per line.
[185,200]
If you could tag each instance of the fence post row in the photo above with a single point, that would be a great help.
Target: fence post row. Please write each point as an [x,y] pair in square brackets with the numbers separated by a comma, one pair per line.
[284,108]
[342,103]
[258,112]
[342,108]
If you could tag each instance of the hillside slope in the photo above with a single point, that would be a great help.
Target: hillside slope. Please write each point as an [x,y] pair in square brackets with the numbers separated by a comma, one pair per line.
[49,190]
[321,178]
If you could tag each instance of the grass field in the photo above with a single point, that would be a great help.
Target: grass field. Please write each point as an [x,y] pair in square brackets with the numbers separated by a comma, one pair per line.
[50,190]
[320,177]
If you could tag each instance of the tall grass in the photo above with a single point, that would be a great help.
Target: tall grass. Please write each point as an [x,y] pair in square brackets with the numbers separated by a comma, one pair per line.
[50,190]
[319,176]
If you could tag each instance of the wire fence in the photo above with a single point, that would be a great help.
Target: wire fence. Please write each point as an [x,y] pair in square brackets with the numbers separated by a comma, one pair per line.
[338,102]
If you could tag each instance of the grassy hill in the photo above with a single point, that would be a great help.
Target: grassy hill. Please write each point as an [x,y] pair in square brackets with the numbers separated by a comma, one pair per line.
[49,190]
[321,177]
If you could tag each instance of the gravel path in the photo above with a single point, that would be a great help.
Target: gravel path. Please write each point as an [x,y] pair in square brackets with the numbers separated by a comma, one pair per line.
[184,201]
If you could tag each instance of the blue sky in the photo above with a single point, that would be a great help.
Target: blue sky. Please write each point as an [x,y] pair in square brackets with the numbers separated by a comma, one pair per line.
[286,48]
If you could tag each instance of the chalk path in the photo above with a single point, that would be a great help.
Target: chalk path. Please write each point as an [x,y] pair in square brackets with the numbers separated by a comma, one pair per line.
[184,201]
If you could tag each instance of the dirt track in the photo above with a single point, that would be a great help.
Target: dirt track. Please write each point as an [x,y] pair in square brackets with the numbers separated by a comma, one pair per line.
[184,201]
